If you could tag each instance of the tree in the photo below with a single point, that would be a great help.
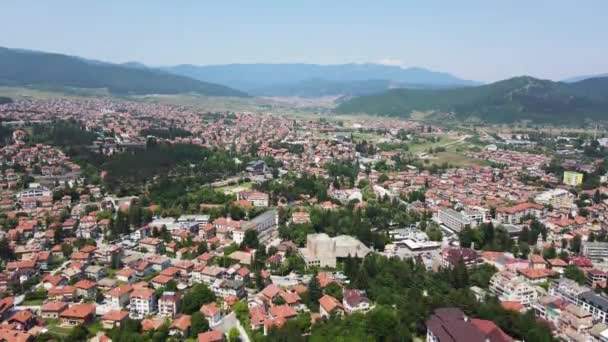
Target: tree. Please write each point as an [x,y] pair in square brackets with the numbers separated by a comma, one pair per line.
[334,290]
[575,273]
[314,292]
[198,295]
[198,323]
[233,335]
[549,253]
[460,275]
[575,244]
[434,232]
[250,240]
[6,253]
[597,198]
[66,249]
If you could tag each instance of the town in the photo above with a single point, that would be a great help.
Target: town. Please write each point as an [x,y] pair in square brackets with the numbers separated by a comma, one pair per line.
[148,221]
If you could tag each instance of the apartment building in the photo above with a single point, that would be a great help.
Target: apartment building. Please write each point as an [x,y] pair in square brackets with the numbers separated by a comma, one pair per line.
[508,286]
[143,302]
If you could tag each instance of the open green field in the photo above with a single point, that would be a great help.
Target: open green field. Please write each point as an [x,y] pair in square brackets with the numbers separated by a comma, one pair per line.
[235,188]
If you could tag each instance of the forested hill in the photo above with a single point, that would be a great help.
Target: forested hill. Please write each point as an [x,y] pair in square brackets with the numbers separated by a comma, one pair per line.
[51,70]
[519,98]
[4,100]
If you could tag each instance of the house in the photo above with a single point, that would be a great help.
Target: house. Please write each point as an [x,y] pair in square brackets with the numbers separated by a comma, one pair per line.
[126,275]
[151,245]
[119,296]
[86,289]
[451,325]
[355,301]
[142,303]
[180,327]
[78,314]
[168,304]
[161,281]
[6,307]
[15,336]
[211,336]
[94,272]
[451,256]
[62,293]
[329,306]
[22,320]
[228,287]
[52,309]
[536,276]
[114,318]
[507,286]
[211,313]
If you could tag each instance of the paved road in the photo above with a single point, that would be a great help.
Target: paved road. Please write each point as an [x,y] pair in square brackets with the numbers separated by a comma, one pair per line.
[230,321]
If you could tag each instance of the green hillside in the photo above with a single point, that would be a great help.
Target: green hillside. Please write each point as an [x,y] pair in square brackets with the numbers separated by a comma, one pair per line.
[50,70]
[520,98]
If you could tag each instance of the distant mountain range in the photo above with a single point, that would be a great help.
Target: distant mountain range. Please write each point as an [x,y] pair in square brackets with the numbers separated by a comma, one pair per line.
[584,77]
[314,80]
[519,98]
[50,70]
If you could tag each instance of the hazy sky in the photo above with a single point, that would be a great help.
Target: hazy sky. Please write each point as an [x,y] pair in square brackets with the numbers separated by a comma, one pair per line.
[481,40]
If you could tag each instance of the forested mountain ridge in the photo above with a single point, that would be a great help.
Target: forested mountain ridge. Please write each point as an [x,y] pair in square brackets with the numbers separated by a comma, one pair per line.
[52,70]
[519,98]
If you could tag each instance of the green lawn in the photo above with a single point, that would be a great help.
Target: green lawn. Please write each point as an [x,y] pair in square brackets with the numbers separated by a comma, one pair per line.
[32,302]
[236,187]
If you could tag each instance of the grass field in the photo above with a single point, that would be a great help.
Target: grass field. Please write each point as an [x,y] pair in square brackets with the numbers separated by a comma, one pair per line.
[235,188]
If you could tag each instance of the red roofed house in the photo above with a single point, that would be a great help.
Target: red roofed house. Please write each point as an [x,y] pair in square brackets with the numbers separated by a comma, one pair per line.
[329,305]
[211,336]
[114,318]
[78,314]
[52,309]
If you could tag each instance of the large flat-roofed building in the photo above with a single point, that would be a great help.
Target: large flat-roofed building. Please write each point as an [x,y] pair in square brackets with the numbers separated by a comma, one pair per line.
[514,214]
[265,224]
[458,220]
[573,178]
[557,198]
[596,250]
[323,251]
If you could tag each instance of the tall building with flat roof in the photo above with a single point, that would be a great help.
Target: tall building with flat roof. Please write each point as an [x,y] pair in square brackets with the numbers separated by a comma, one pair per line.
[573,178]
[323,251]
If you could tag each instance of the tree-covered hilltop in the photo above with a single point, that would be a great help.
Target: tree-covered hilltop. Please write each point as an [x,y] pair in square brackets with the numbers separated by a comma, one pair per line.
[39,69]
[4,100]
[519,98]
[126,172]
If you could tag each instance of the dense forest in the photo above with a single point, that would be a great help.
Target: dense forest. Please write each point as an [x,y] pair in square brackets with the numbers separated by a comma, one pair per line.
[519,98]
[169,161]
[405,295]
[48,70]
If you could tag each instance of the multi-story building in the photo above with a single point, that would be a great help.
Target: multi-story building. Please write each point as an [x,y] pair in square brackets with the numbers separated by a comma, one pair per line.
[143,303]
[265,224]
[508,286]
[458,220]
[514,214]
[573,178]
[168,304]
[557,198]
[451,256]
[597,251]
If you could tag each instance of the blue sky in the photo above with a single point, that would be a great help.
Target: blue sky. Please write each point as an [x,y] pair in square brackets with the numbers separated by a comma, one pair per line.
[481,40]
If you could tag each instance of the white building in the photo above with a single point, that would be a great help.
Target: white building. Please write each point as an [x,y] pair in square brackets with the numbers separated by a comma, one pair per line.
[458,220]
[143,303]
[507,286]
[597,251]
[557,198]
[323,251]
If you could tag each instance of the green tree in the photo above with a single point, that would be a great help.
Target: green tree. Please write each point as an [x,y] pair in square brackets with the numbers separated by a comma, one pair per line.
[233,335]
[198,323]
[198,295]
[314,292]
[575,273]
